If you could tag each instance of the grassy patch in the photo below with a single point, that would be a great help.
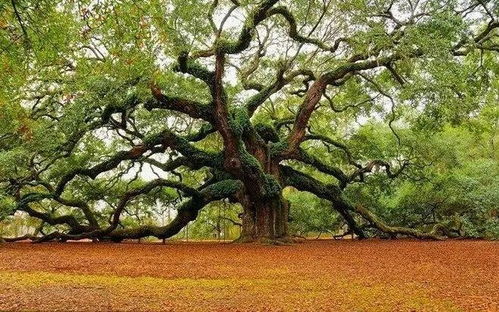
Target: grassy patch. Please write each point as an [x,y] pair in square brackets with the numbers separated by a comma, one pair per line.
[191,293]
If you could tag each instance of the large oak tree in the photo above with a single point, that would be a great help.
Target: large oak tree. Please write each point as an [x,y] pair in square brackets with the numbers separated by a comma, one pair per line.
[106,102]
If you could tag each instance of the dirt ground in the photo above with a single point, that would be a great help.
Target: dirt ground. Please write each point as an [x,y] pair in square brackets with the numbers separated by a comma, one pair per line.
[374,275]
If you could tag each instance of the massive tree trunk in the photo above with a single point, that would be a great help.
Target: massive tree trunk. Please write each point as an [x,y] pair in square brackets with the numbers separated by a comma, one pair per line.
[264,218]
[265,221]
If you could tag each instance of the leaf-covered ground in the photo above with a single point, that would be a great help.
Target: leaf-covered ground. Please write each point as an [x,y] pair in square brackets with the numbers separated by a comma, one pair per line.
[344,275]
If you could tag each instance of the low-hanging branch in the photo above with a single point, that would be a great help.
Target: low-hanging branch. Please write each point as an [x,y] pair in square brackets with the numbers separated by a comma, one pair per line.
[332,193]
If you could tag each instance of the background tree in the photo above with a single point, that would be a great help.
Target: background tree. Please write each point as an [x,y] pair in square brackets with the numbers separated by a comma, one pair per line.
[105,103]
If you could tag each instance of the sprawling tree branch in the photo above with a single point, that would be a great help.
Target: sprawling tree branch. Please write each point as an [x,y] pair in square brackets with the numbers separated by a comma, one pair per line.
[191,108]
[332,193]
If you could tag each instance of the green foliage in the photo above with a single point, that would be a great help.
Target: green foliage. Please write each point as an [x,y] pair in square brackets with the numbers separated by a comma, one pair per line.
[272,187]
[214,222]
[239,120]
[454,176]
[223,189]
[310,215]
[7,205]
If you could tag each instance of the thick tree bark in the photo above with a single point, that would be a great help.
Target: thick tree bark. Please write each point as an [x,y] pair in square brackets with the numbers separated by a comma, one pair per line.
[265,221]
[265,212]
